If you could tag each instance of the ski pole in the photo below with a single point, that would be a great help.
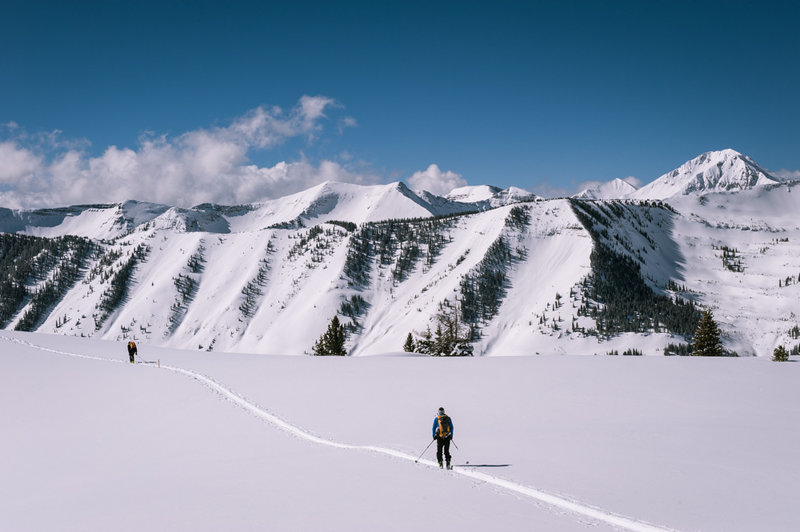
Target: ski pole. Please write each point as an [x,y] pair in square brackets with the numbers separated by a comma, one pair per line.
[423,452]
[454,443]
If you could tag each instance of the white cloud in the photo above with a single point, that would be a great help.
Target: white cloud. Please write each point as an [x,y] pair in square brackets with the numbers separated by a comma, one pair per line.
[788,175]
[546,189]
[347,121]
[17,164]
[435,181]
[204,165]
[633,181]
[265,128]
[589,185]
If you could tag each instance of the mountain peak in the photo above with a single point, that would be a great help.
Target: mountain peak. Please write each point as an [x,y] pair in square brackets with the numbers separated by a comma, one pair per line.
[473,193]
[726,152]
[712,171]
[614,189]
[487,196]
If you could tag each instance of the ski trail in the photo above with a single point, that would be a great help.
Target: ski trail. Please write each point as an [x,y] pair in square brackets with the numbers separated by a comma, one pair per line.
[557,501]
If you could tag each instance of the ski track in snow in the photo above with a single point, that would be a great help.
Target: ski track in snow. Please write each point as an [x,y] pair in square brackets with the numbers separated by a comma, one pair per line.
[556,501]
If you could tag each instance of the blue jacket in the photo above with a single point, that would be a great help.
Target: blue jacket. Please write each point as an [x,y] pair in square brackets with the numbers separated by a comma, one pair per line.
[448,423]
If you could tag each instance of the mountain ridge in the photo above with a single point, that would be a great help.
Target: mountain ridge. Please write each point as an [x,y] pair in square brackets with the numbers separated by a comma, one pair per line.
[519,278]
[319,204]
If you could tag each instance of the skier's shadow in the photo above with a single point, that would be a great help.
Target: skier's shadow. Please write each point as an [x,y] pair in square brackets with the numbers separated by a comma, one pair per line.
[483,465]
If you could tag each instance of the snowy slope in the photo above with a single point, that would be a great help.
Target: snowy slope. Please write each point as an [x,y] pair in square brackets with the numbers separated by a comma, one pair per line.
[471,194]
[91,221]
[615,189]
[487,196]
[755,294]
[725,170]
[241,442]
[342,201]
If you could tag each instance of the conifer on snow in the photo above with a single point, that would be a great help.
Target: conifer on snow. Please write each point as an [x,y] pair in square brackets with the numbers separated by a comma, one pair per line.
[408,347]
[331,343]
[707,337]
[780,354]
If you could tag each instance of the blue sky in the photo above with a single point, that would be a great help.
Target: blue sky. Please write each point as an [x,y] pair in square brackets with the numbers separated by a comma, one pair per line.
[540,95]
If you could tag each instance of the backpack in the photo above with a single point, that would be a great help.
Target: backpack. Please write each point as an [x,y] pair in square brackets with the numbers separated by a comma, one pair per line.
[444,426]
[131,346]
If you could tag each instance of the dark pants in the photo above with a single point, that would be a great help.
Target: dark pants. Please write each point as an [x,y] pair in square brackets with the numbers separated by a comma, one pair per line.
[443,443]
[131,353]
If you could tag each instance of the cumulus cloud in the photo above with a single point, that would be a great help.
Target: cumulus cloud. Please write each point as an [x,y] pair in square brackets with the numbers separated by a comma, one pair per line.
[204,165]
[16,164]
[435,181]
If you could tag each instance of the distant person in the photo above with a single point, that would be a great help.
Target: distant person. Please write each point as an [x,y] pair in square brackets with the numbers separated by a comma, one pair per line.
[131,350]
[443,434]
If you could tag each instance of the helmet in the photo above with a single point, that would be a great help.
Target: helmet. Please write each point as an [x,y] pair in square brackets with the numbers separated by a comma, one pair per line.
[441,410]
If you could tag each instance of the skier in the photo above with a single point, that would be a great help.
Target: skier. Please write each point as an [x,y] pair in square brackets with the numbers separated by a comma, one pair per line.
[131,350]
[443,434]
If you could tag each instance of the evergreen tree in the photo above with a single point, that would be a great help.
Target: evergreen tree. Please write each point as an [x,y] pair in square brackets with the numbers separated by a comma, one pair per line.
[319,347]
[677,349]
[331,343]
[462,349]
[426,345]
[439,342]
[408,347]
[449,339]
[706,338]
[780,354]
[335,338]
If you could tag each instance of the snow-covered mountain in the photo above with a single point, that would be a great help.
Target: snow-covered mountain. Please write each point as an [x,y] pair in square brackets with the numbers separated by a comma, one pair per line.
[322,203]
[615,189]
[716,171]
[538,276]
[487,196]
[92,221]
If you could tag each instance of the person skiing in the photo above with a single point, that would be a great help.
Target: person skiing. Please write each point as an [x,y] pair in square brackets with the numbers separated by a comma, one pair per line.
[443,434]
[131,350]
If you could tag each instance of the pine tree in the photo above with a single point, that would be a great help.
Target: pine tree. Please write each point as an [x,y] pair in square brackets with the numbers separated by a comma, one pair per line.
[334,338]
[331,343]
[449,338]
[707,338]
[319,347]
[408,347]
[439,342]
[780,354]
[425,344]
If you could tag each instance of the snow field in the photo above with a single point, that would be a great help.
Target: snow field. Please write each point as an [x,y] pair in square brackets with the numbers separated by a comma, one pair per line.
[685,443]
